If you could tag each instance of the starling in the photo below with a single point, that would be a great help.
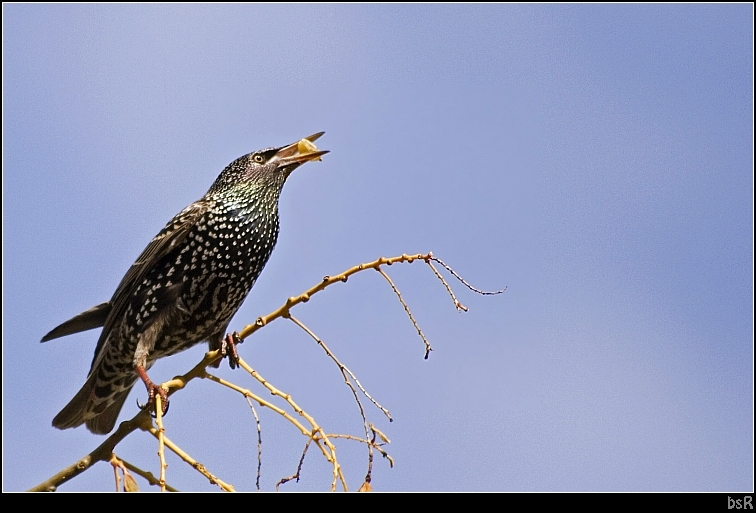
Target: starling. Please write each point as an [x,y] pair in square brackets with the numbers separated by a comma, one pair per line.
[186,285]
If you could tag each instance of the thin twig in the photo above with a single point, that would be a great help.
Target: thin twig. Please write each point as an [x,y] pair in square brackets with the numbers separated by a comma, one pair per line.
[343,368]
[299,467]
[431,257]
[428,347]
[259,442]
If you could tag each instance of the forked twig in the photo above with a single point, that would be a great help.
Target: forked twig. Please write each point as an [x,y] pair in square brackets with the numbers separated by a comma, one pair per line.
[199,467]
[148,476]
[376,446]
[329,454]
[459,306]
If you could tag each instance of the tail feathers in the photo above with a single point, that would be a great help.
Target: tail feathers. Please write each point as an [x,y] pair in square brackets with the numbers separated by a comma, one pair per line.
[99,414]
[104,422]
[93,318]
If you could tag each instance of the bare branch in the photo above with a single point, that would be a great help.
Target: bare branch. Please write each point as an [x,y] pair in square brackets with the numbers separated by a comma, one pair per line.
[283,310]
[142,420]
[199,467]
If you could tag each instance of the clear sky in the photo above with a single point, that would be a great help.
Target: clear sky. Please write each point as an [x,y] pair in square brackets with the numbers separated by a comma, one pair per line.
[597,160]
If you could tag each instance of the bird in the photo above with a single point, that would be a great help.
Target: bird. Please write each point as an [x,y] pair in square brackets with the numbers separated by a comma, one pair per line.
[185,286]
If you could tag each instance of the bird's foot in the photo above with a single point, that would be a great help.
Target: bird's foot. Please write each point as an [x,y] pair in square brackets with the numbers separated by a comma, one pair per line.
[152,391]
[228,348]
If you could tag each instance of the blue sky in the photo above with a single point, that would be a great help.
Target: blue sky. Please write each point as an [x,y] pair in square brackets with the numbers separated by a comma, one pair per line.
[596,160]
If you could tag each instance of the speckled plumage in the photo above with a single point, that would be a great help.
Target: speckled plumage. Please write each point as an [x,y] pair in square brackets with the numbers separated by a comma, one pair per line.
[186,285]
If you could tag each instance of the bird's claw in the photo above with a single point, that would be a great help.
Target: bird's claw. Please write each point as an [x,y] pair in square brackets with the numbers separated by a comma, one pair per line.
[228,348]
[152,390]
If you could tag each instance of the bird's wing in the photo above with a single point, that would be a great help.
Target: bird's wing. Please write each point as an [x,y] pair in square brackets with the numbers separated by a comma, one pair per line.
[164,242]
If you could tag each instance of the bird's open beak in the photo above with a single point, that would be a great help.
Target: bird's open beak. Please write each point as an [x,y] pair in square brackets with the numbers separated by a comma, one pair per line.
[300,152]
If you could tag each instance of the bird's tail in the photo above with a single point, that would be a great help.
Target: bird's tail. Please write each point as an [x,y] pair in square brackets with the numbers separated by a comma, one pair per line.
[95,317]
[96,405]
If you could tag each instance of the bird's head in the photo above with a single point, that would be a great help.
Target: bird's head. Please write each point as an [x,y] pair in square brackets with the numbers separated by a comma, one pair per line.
[268,168]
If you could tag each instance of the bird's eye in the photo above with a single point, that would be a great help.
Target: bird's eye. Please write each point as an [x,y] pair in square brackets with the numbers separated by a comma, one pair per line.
[259,159]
